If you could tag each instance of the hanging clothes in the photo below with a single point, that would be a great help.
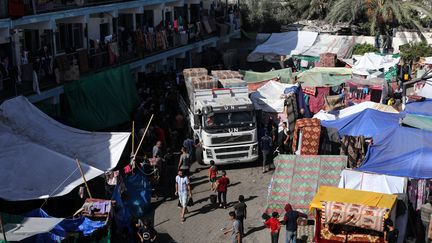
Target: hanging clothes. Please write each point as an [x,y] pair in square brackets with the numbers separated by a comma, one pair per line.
[307,134]
[291,110]
[355,148]
[316,102]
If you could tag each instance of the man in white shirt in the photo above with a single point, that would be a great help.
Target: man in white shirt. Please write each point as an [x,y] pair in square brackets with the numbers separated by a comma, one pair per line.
[183,190]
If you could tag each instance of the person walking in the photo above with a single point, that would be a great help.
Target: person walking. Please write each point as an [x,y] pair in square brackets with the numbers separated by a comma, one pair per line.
[183,190]
[241,212]
[222,187]
[425,215]
[184,162]
[274,225]
[235,230]
[290,220]
[266,146]
[212,175]
[283,139]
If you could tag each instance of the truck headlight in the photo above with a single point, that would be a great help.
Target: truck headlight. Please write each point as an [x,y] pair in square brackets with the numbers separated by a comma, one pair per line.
[255,149]
[209,153]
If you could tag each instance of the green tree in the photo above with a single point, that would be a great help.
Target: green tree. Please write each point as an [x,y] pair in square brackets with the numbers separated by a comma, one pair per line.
[361,49]
[382,14]
[413,51]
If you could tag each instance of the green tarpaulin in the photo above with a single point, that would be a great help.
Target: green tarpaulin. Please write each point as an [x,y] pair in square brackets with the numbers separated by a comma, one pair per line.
[297,178]
[256,77]
[101,100]
[418,121]
[324,76]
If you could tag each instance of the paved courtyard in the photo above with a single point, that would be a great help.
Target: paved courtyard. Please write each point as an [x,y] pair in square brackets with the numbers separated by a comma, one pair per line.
[204,222]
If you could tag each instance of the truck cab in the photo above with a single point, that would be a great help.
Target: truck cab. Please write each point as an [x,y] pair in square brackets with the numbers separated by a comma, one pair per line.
[224,120]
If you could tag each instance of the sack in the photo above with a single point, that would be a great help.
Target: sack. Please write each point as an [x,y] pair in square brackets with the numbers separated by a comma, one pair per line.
[213,199]
[190,202]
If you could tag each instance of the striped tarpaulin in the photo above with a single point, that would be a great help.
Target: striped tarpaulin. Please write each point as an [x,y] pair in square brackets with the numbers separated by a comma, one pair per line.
[297,178]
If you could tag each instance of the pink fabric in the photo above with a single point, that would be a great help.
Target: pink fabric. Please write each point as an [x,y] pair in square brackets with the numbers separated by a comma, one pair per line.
[316,103]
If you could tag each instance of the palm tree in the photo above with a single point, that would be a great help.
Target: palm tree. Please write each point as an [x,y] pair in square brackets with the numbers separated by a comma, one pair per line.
[381,14]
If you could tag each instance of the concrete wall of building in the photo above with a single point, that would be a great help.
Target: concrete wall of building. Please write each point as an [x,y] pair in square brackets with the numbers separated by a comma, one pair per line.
[94,26]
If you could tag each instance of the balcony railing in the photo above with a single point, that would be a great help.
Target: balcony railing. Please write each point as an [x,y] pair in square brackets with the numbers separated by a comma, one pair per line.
[68,67]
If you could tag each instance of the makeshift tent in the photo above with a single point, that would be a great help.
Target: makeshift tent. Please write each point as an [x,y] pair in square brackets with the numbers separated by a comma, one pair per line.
[334,115]
[324,76]
[351,179]
[346,207]
[306,138]
[372,61]
[28,229]
[368,123]
[297,178]
[48,167]
[256,77]
[79,224]
[400,151]
[419,108]
[101,100]
[283,44]
[426,91]
[342,46]
[138,198]
[269,98]
[418,121]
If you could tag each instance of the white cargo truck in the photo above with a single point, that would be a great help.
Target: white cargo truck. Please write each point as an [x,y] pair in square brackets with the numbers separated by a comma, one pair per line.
[223,119]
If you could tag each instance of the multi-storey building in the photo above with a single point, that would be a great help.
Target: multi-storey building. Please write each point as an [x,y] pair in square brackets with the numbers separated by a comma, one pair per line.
[46,43]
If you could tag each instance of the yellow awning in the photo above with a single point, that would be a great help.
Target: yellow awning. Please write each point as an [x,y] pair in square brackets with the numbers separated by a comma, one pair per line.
[334,194]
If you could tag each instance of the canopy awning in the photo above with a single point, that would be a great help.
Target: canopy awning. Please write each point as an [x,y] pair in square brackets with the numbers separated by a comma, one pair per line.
[334,194]
[37,153]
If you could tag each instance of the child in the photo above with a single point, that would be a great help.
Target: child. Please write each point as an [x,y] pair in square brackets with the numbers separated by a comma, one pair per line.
[222,187]
[147,233]
[240,210]
[274,225]
[212,174]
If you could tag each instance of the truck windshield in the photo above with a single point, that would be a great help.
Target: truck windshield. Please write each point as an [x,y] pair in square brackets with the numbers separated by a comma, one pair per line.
[241,118]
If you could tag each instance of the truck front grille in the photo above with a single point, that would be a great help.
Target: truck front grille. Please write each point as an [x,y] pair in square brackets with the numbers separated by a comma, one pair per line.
[233,149]
[232,139]
[232,156]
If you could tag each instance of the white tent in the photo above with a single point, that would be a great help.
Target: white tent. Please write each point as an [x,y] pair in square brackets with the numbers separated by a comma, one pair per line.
[426,91]
[362,181]
[283,44]
[29,227]
[372,62]
[340,45]
[268,97]
[334,115]
[38,154]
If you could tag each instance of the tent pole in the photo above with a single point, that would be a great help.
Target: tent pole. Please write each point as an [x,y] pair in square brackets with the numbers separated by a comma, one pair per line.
[84,179]
[2,227]
[133,136]
[142,138]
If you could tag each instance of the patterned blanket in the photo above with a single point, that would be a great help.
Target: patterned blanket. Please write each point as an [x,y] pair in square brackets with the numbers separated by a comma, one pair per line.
[361,216]
[297,178]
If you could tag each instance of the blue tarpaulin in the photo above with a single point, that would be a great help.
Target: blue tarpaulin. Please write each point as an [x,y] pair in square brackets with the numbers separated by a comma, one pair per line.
[420,108]
[368,123]
[138,199]
[60,231]
[401,151]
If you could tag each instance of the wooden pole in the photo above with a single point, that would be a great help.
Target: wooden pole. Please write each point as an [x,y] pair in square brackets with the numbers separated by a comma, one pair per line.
[2,227]
[142,138]
[84,179]
[133,136]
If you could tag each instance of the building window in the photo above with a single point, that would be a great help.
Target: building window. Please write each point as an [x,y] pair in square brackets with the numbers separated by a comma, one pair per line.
[69,37]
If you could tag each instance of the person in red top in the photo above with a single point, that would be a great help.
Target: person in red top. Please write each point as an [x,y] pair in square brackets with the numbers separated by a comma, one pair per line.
[212,175]
[222,187]
[274,225]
